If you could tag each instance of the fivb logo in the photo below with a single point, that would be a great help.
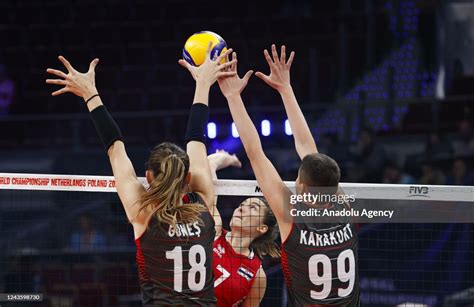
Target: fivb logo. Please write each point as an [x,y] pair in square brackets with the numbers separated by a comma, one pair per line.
[421,191]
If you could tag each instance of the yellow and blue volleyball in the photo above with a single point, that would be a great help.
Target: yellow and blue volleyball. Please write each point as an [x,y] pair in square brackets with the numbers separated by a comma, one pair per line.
[195,48]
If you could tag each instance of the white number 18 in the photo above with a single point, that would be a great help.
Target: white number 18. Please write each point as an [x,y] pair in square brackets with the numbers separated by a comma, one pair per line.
[197,268]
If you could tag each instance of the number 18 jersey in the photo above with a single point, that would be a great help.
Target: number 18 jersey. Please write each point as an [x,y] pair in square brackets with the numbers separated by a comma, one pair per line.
[175,263]
[319,262]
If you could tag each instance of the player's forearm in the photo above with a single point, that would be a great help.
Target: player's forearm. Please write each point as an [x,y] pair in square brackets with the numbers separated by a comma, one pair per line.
[245,127]
[195,130]
[105,125]
[195,138]
[201,94]
[304,141]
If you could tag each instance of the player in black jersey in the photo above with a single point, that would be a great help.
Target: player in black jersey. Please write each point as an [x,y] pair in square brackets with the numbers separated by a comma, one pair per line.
[172,223]
[319,260]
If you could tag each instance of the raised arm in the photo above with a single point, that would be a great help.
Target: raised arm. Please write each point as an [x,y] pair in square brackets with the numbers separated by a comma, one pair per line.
[217,161]
[128,187]
[273,188]
[205,76]
[279,79]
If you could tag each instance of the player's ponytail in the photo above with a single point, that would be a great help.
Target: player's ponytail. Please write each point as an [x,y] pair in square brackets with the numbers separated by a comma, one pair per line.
[265,244]
[163,199]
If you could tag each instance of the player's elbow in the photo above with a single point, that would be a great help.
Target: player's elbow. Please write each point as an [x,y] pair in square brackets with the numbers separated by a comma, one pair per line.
[208,198]
[304,149]
[116,150]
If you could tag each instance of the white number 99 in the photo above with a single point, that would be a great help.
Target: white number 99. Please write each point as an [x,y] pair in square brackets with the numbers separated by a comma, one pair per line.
[324,278]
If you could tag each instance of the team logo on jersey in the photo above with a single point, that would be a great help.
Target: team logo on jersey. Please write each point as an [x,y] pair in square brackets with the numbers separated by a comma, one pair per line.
[246,273]
[219,250]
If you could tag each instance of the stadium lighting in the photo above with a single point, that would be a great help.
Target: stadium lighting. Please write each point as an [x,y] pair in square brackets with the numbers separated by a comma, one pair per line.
[211,130]
[288,128]
[266,127]
[235,134]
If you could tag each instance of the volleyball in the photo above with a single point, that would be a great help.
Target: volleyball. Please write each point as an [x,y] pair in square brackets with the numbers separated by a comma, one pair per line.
[194,51]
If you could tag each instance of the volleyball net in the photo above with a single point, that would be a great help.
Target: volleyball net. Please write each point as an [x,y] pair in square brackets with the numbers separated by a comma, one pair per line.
[67,238]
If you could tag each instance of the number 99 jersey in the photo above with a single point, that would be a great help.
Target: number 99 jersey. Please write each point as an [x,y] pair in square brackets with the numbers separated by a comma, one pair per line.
[319,262]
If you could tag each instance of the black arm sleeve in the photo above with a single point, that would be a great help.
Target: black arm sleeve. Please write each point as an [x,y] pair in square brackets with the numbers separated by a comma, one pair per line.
[198,118]
[106,126]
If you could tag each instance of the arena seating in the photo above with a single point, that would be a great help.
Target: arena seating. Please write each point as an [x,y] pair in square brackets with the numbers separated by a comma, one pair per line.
[134,40]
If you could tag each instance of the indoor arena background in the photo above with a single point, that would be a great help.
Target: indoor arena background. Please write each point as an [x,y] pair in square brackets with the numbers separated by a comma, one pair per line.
[387,88]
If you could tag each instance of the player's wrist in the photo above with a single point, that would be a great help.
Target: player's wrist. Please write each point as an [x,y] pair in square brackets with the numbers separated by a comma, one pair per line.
[203,84]
[212,166]
[88,93]
[201,95]
[232,95]
[285,89]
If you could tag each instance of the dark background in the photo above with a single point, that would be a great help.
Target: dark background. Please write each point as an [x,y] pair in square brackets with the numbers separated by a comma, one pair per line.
[386,87]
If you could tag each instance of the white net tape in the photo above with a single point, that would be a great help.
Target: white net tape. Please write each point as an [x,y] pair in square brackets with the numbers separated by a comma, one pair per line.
[88,183]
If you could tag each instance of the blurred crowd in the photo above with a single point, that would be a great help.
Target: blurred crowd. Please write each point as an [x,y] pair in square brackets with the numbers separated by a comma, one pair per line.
[7,90]
[443,161]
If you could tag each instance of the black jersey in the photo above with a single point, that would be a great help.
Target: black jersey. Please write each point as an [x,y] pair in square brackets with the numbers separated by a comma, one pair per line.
[319,262]
[175,264]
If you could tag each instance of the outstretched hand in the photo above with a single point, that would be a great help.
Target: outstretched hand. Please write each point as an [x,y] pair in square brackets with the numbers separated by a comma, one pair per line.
[279,76]
[233,85]
[222,159]
[212,69]
[80,84]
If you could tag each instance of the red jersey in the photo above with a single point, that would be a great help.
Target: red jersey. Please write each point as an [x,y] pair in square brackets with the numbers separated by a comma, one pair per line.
[234,273]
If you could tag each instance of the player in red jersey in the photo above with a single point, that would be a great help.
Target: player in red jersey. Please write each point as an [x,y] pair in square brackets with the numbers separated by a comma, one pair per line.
[172,223]
[319,260]
[239,277]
